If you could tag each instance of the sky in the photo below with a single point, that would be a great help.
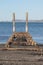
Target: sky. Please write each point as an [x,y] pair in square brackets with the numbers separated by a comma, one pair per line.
[20,7]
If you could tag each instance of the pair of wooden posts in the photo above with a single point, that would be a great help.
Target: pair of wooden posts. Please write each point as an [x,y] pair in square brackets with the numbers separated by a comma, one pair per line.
[14,29]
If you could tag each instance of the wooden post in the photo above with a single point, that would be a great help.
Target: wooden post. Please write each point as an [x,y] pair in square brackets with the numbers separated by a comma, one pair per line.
[41,52]
[13,22]
[26,21]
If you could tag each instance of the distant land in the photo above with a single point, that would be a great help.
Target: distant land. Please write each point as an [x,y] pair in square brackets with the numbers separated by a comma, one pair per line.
[25,20]
[35,20]
[29,20]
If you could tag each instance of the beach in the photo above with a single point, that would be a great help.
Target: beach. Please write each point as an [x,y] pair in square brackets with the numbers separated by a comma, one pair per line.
[17,57]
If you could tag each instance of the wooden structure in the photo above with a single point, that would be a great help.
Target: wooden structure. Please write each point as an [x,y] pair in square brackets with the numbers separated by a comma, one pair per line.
[20,38]
[13,22]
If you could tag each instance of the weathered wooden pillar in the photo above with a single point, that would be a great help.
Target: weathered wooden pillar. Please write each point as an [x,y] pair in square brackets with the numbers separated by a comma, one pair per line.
[13,22]
[26,21]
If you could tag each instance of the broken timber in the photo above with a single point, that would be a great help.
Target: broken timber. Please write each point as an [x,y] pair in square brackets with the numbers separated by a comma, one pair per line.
[20,38]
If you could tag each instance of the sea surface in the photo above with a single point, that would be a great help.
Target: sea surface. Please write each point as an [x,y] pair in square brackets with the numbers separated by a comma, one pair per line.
[34,28]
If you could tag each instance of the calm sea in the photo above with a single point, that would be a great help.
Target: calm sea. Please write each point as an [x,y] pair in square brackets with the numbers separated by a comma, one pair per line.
[34,28]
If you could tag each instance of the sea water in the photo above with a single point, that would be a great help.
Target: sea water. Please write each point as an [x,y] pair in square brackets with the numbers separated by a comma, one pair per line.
[34,28]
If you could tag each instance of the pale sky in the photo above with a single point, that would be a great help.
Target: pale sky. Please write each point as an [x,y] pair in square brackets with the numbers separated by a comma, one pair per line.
[20,7]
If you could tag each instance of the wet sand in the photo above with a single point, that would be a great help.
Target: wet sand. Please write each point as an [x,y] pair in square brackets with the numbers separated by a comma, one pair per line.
[21,57]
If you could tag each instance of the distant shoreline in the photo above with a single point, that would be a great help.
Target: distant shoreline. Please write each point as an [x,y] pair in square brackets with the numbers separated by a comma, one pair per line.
[25,20]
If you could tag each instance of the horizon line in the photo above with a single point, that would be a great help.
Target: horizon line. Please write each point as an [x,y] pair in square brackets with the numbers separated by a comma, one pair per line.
[21,20]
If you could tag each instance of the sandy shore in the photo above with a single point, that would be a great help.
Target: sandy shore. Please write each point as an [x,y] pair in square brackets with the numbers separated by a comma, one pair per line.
[21,57]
